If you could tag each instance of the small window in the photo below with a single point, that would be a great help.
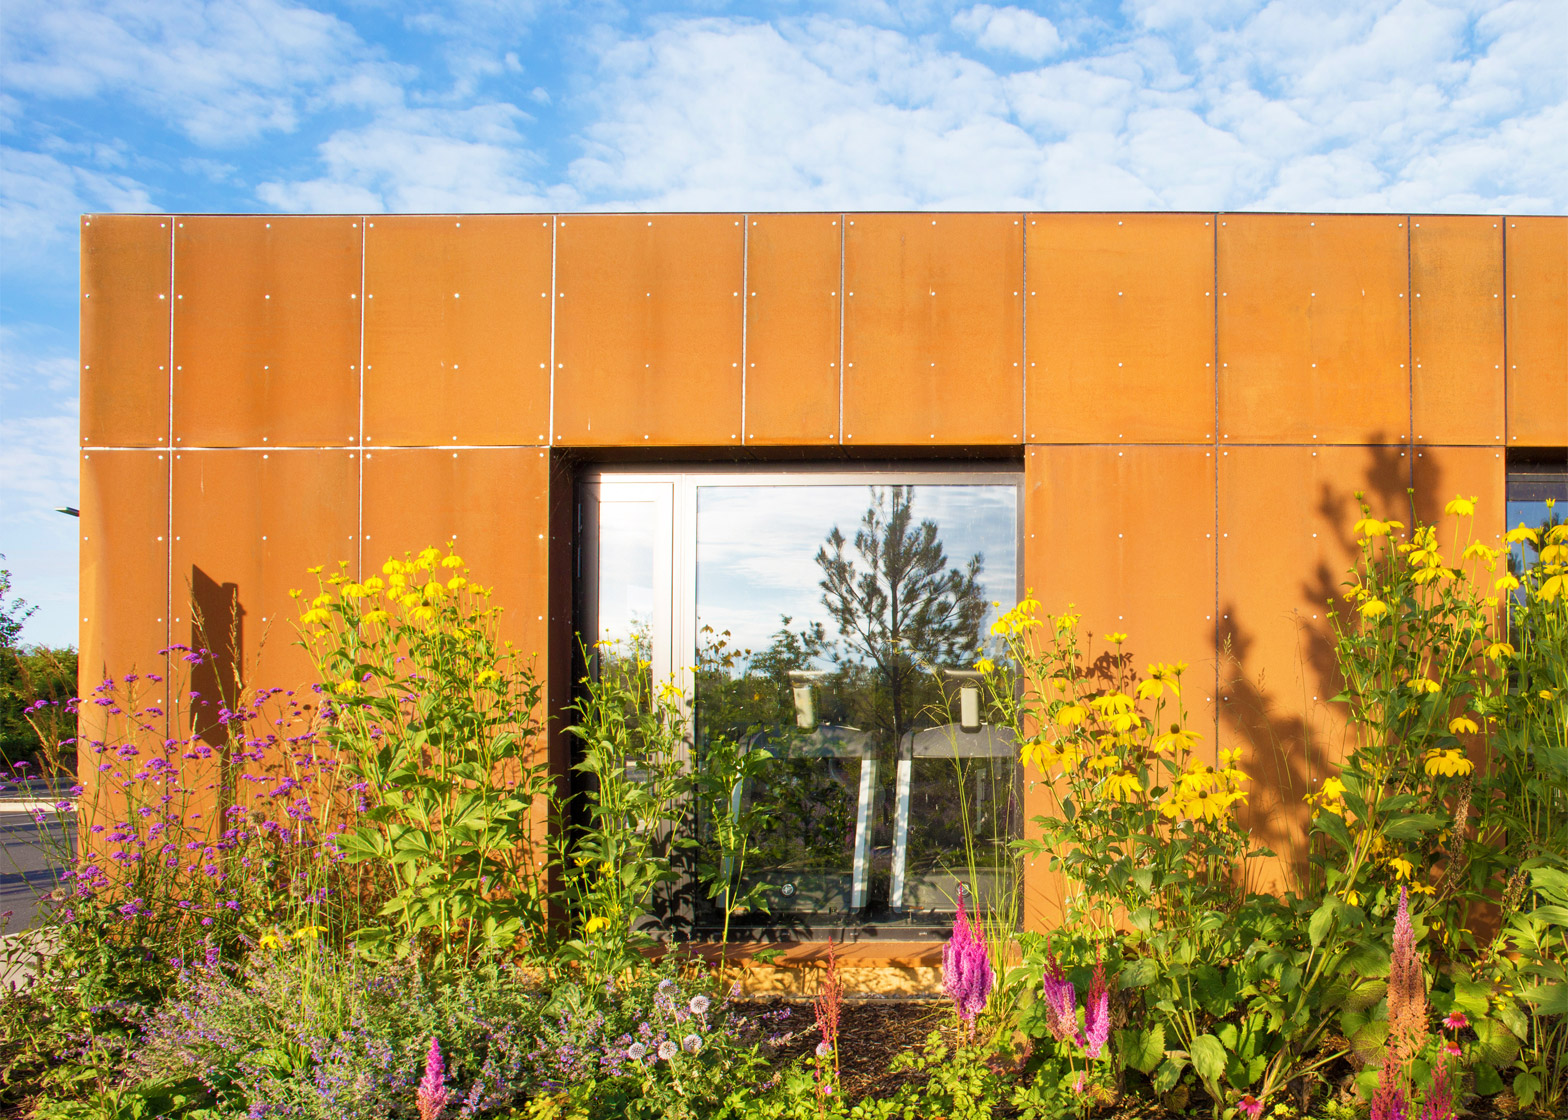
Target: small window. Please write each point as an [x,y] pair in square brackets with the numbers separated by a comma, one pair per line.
[1531,486]
[816,617]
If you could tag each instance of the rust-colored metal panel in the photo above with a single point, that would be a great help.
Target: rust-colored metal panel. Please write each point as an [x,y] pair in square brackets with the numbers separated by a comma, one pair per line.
[125,330]
[1456,329]
[457,329]
[1120,328]
[494,502]
[124,563]
[1285,546]
[1537,332]
[792,328]
[1126,536]
[1444,473]
[648,325]
[933,329]
[247,527]
[1314,332]
[266,331]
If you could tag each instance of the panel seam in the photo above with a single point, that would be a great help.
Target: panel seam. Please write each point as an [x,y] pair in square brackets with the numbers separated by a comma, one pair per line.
[359,497]
[168,533]
[745,281]
[1023,332]
[555,225]
[1214,441]
[1410,352]
[843,226]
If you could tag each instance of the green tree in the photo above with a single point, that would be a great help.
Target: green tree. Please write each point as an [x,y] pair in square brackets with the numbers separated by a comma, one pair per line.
[897,601]
[12,614]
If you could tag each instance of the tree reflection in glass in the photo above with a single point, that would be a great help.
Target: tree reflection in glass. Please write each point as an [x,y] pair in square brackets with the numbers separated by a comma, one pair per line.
[857,625]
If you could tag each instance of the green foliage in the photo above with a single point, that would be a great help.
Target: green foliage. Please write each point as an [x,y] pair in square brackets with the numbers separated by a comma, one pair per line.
[436,717]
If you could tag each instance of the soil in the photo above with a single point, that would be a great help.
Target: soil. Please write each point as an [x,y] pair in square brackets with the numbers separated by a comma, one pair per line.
[872,1032]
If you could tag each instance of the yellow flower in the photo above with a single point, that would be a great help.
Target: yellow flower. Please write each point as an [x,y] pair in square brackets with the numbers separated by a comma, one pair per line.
[316,571]
[1068,715]
[1479,551]
[1545,694]
[1116,709]
[1403,868]
[295,593]
[456,583]
[1461,507]
[434,590]
[1333,787]
[422,614]
[273,941]
[1150,689]
[1116,639]
[1499,650]
[595,924]
[353,591]
[985,665]
[1374,608]
[1178,738]
[1423,888]
[313,616]
[1353,897]
[1462,725]
[487,675]
[376,616]
[1554,553]
[321,600]
[344,688]
[452,561]
[1449,763]
[1370,526]
[1506,583]
[1122,786]
[310,933]
[1423,684]
[1551,588]
[1522,533]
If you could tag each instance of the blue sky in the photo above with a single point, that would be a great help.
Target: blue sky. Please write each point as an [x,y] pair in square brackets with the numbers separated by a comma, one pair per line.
[247,105]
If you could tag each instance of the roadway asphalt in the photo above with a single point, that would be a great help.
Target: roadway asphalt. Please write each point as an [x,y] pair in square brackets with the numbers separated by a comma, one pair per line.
[30,866]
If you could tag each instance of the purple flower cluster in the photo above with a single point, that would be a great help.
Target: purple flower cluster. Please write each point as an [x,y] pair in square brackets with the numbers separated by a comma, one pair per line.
[1061,1000]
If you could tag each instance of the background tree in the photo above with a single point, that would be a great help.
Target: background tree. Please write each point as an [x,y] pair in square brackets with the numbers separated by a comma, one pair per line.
[896,600]
[27,675]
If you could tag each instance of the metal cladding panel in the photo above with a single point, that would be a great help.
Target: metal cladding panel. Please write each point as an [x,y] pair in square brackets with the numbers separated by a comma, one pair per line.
[1537,332]
[1125,537]
[648,330]
[125,330]
[124,564]
[1456,330]
[933,329]
[1443,473]
[1120,328]
[457,329]
[266,331]
[1285,547]
[493,502]
[1313,329]
[792,328]
[247,527]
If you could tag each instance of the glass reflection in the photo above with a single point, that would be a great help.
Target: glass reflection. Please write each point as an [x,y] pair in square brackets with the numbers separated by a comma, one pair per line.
[826,615]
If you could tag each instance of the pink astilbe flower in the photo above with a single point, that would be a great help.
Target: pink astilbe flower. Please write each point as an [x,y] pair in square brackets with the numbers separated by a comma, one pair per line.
[1061,1001]
[1440,1097]
[1389,1103]
[432,1094]
[1096,1014]
[966,967]
[1406,990]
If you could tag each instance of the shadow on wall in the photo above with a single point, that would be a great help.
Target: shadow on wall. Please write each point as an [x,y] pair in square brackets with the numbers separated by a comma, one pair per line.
[1277,676]
[218,626]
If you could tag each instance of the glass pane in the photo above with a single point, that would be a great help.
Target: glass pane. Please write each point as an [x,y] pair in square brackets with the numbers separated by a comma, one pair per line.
[628,532]
[825,616]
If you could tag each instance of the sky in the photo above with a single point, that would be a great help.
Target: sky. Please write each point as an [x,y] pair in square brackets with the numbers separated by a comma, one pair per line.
[555,105]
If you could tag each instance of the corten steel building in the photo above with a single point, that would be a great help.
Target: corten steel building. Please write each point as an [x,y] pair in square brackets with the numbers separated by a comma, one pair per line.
[645,426]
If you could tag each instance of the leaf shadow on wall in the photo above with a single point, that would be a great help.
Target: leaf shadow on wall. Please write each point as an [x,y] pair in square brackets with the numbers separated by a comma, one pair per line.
[1278,674]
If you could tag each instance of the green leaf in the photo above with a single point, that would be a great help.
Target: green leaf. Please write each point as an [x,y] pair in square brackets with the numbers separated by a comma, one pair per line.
[1137,974]
[1549,999]
[1487,1081]
[1412,826]
[1323,920]
[1208,1058]
[1143,1050]
[1170,1072]
[1526,1086]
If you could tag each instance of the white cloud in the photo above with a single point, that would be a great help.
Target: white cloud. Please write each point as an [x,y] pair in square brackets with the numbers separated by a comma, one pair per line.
[37,473]
[429,160]
[1009,31]
[221,72]
[40,198]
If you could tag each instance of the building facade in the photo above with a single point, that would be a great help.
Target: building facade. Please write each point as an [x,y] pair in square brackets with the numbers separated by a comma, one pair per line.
[1162,419]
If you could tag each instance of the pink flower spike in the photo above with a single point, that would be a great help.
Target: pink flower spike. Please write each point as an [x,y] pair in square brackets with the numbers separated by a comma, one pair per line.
[1062,1001]
[1456,1021]
[432,1095]
[1250,1107]
[1096,1014]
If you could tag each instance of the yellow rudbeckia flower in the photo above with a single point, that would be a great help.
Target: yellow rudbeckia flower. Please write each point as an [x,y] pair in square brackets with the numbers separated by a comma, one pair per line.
[1373,608]
[1461,507]
[1462,725]
[1450,764]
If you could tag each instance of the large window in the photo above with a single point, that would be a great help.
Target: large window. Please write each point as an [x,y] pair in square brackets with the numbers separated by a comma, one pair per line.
[825,620]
